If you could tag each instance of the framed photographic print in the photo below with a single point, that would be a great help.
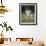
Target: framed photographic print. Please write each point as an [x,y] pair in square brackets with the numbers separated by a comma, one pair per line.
[28,13]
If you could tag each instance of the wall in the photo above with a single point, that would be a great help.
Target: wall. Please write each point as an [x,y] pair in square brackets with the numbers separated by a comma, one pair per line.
[38,32]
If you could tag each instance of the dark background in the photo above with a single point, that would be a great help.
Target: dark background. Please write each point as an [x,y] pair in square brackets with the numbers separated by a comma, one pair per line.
[30,7]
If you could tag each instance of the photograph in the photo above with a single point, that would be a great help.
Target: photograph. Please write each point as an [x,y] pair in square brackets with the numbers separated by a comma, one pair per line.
[28,13]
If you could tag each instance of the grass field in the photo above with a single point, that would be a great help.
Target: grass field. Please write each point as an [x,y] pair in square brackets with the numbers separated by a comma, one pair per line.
[27,19]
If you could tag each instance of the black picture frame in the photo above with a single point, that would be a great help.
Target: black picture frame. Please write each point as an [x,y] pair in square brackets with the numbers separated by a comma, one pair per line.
[28,13]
